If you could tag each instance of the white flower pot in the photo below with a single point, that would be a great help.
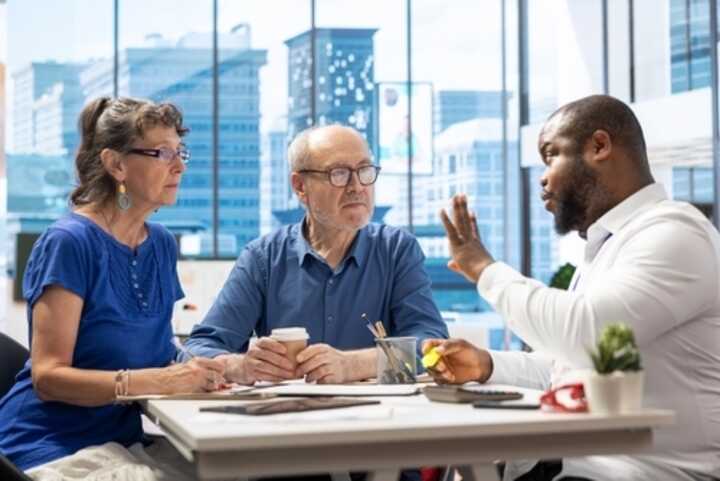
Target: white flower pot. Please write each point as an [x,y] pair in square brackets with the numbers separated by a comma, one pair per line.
[632,391]
[615,393]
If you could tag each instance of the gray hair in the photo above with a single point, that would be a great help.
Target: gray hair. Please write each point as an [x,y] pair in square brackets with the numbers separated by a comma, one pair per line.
[107,123]
[299,149]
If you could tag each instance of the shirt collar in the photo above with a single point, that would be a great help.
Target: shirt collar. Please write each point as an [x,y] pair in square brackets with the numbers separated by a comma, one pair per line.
[614,219]
[358,250]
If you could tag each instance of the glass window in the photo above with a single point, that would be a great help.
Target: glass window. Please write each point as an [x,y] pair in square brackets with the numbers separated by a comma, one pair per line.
[168,57]
[362,72]
[457,117]
[258,68]
[53,48]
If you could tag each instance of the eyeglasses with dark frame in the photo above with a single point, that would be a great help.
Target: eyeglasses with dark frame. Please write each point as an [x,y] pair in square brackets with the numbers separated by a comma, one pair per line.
[340,176]
[166,155]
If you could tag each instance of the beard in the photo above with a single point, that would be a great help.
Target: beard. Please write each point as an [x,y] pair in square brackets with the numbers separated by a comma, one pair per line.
[575,203]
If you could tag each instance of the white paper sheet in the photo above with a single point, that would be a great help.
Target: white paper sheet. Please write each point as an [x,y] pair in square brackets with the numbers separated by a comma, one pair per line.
[306,389]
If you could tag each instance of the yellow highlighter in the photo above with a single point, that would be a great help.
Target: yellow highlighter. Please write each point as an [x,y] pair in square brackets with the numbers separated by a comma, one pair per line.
[431,358]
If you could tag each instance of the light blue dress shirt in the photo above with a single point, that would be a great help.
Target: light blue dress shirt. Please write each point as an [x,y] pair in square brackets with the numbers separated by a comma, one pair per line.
[280,281]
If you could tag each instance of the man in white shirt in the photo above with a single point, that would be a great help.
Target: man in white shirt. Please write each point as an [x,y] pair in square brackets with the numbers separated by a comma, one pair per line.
[650,262]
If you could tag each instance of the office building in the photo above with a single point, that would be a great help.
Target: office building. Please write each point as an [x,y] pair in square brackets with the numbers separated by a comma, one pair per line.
[454,106]
[689,44]
[343,84]
[275,182]
[30,83]
[55,115]
[182,73]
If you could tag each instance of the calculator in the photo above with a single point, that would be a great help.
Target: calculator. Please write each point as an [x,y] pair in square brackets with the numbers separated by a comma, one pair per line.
[468,394]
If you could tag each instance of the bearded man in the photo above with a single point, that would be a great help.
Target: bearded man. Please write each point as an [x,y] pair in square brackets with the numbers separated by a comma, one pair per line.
[650,262]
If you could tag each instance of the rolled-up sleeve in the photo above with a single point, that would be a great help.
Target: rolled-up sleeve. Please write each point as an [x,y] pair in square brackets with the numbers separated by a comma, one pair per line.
[234,315]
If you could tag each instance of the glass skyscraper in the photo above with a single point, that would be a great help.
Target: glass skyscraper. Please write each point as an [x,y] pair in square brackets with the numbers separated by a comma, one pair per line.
[344,80]
[182,74]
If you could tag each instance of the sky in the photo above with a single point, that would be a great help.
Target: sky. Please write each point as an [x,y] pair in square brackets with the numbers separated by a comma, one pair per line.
[456,45]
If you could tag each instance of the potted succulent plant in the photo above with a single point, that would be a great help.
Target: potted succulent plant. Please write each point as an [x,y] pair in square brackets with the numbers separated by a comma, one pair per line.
[616,385]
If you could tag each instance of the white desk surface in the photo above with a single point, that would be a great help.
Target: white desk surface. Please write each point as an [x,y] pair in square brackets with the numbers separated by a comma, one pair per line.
[400,432]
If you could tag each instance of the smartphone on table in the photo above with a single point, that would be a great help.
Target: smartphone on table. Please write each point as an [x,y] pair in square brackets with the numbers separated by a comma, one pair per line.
[468,394]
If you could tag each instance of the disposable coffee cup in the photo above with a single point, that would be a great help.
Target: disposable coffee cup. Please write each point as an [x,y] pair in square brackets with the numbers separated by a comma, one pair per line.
[295,340]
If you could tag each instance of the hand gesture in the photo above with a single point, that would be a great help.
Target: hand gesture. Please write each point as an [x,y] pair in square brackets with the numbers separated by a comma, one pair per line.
[323,364]
[197,375]
[460,361]
[469,255]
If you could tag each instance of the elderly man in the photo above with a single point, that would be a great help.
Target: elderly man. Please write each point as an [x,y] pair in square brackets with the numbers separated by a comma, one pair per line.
[650,262]
[322,274]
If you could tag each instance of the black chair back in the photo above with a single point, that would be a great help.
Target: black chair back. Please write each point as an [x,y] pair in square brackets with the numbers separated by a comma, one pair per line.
[10,472]
[12,359]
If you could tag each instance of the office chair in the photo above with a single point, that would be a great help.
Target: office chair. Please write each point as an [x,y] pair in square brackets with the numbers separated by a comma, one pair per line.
[10,472]
[12,359]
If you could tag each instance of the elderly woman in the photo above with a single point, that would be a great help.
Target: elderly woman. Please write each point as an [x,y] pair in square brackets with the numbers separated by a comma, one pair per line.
[100,286]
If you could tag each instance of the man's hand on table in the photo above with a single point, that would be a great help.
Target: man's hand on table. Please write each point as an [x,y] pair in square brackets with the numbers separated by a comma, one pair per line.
[326,365]
[460,361]
[265,361]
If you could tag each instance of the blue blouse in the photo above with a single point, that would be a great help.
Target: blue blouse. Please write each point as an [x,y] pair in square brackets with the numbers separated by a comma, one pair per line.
[124,324]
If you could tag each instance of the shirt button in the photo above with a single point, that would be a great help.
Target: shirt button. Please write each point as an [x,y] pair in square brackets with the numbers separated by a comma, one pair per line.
[144,304]
[134,276]
[136,285]
[134,262]
[330,318]
[140,295]
[331,282]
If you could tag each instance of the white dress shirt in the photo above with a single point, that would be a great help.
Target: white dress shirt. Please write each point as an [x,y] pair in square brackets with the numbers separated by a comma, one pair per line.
[649,262]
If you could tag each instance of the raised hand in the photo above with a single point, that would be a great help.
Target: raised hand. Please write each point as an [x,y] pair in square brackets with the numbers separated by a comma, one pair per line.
[469,255]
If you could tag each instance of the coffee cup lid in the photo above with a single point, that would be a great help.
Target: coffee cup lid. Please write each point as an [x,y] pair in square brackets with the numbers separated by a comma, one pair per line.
[290,334]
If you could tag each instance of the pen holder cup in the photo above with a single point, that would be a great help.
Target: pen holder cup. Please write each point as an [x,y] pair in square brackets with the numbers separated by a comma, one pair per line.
[396,360]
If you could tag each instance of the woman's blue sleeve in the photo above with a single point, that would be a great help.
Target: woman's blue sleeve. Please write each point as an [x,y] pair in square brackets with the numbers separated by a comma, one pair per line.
[56,259]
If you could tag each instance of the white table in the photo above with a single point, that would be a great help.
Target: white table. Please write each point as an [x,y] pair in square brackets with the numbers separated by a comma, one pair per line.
[402,432]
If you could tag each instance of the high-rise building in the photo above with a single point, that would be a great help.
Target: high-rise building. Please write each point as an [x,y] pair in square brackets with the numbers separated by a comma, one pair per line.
[182,73]
[468,158]
[55,119]
[32,82]
[275,182]
[343,84]
[454,106]
[689,44]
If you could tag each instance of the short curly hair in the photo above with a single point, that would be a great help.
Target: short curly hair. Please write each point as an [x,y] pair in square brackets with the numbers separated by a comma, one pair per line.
[583,117]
